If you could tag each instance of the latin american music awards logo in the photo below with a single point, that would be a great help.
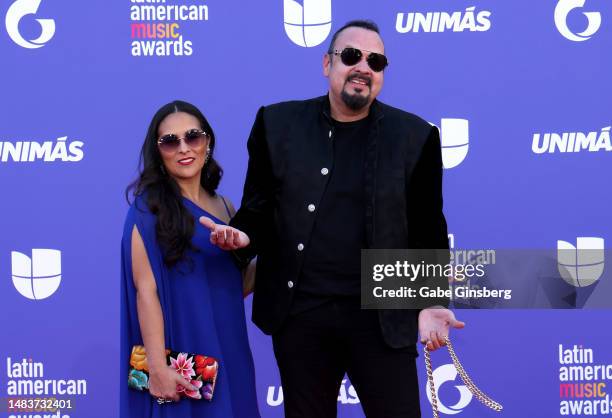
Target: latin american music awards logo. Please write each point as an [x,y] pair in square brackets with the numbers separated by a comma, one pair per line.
[162,29]
[307,23]
[20,9]
[39,276]
[584,378]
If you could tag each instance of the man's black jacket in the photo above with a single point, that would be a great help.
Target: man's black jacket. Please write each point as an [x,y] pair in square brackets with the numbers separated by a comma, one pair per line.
[290,162]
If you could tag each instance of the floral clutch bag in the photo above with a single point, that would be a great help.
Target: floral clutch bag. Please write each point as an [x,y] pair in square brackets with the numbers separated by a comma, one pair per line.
[200,371]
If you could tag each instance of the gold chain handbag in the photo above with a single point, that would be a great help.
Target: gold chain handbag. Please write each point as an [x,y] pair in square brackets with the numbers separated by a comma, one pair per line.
[464,376]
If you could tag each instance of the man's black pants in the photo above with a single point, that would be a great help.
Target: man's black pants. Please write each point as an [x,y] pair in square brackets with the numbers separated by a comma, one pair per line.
[314,350]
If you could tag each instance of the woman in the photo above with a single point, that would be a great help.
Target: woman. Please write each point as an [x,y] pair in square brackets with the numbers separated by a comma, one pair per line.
[179,291]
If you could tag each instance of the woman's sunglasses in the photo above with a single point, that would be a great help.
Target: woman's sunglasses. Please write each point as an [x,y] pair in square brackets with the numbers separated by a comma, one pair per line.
[194,138]
[351,56]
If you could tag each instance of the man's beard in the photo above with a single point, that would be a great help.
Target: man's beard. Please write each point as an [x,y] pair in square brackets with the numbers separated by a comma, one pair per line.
[356,101]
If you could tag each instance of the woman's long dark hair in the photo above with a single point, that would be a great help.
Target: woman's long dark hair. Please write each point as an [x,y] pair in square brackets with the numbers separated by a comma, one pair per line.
[175,224]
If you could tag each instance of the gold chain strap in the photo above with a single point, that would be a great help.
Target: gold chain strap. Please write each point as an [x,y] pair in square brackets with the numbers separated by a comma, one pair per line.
[464,376]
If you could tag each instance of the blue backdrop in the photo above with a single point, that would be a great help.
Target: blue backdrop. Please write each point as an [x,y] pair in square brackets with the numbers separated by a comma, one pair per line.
[521,91]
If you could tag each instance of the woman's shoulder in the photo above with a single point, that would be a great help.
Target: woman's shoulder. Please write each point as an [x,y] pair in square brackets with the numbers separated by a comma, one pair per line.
[139,213]
[228,206]
[139,205]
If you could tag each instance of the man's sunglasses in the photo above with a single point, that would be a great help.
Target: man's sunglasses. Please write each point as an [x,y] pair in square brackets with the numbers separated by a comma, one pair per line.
[194,138]
[351,56]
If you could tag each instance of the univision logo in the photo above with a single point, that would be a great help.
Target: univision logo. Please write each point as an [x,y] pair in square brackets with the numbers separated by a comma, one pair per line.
[18,10]
[583,264]
[309,24]
[448,373]
[563,9]
[37,277]
[455,139]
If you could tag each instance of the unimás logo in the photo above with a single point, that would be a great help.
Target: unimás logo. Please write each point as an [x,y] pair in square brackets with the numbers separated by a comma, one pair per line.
[18,10]
[455,139]
[39,276]
[583,264]
[307,23]
[468,20]
[553,142]
[347,395]
[441,375]
[563,9]
[48,151]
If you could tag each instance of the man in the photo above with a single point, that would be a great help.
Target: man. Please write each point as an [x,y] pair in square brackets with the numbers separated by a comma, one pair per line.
[326,178]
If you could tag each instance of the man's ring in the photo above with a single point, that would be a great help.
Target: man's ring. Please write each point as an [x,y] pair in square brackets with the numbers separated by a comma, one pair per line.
[162,401]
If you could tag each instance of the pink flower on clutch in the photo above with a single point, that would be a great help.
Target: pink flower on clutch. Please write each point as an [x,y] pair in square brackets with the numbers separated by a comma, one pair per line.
[194,394]
[183,365]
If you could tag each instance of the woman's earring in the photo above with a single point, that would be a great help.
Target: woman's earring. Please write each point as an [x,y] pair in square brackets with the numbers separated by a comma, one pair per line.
[207,155]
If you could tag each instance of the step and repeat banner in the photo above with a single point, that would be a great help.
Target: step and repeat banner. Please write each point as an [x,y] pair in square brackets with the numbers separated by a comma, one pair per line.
[521,91]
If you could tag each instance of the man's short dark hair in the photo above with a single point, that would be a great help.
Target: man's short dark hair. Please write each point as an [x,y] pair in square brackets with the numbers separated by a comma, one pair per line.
[365,24]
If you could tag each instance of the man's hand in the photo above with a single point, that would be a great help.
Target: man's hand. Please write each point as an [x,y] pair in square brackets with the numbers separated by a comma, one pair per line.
[435,324]
[224,236]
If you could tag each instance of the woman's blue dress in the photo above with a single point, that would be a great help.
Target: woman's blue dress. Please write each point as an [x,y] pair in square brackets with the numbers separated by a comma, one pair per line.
[203,312]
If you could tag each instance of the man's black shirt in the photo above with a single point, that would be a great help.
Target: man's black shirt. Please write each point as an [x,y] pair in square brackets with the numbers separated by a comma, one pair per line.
[332,261]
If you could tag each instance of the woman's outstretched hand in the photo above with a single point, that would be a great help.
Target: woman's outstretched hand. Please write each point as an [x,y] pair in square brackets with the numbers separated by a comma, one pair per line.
[224,236]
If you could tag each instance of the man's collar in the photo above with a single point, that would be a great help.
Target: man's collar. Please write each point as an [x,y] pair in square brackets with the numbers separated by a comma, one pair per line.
[375,110]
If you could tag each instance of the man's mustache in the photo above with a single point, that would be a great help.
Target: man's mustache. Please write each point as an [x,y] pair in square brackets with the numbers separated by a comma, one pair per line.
[367,79]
